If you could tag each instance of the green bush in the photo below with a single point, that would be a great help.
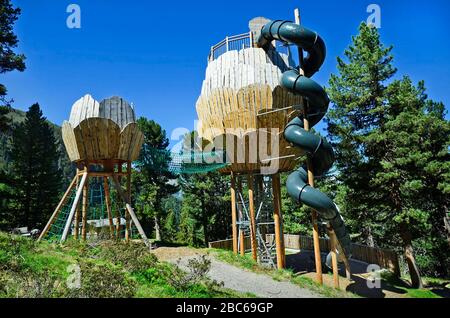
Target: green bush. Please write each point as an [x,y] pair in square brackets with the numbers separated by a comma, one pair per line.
[133,257]
[29,284]
[102,281]
[194,276]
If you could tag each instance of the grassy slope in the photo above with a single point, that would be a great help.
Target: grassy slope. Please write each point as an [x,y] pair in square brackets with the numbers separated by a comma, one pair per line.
[29,269]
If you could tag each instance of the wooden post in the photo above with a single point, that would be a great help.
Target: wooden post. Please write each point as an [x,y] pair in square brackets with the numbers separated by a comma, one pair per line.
[108,207]
[85,209]
[241,232]
[118,216]
[74,206]
[131,211]
[279,235]
[127,215]
[233,214]
[77,212]
[334,260]
[58,209]
[251,200]
[318,259]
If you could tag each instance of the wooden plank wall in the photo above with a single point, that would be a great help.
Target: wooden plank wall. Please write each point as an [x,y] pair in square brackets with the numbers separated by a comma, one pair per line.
[228,244]
[383,257]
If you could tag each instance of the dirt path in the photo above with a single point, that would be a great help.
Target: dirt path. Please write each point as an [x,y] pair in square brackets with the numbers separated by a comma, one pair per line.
[236,278]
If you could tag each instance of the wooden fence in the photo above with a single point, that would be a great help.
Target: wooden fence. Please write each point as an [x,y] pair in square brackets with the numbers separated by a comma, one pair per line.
[382,257]
[228,244]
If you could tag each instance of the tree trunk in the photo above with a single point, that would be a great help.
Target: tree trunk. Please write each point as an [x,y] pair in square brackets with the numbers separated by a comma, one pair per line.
[157,229]
[370,239]
[416,279]
[447,226]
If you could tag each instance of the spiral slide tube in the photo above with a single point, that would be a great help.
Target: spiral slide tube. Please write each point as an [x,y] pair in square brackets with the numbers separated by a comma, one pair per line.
[320,151]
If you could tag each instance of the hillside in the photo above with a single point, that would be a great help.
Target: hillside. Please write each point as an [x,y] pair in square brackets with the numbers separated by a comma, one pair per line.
[17,116]
[109,270]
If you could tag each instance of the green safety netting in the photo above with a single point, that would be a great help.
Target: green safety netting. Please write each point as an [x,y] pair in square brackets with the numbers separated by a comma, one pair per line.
[182,162]
[97,214]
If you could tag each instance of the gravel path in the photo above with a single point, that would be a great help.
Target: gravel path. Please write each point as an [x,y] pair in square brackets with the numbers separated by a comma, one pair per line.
[245,281]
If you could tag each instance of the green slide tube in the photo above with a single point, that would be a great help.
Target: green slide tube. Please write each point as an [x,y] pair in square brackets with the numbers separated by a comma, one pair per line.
[320,151]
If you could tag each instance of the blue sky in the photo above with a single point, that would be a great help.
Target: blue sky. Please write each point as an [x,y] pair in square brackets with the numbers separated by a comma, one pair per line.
[153,53]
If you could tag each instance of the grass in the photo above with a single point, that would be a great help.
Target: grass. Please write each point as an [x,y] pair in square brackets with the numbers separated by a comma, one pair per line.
[248,263]
[108,270]
[429,282]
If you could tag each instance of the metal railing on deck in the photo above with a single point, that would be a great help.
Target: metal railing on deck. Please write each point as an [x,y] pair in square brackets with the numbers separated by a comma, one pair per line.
[231,43]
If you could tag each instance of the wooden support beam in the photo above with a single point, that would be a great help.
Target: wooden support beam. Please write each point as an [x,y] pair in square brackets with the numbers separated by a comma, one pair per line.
[241,216]
[108,207]
[102,174]
[130,211]
[314,217]
[278,219]
[74,206]
[77,212]
[127,215]
[58,209]
[251,199]
[234,214]
[85,209]
[119,219]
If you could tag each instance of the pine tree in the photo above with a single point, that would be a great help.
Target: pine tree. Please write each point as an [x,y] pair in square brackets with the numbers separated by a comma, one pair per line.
[391,146]
[358,96]
[35,168]
[9,61]
[205,208]
[412,146]
[153,180]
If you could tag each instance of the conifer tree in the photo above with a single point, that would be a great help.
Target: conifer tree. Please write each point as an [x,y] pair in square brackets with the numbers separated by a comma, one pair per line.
[391,146]
[35,168]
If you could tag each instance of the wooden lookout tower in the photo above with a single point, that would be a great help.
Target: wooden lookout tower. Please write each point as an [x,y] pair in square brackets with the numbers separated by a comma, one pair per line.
[102,139]
[242,109]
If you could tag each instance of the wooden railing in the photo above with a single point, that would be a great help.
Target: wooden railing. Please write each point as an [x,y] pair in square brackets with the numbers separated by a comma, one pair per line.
[382,257]
[231,43]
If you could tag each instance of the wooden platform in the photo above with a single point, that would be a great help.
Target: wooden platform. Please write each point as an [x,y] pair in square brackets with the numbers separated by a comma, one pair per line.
[242,97]
[102,131]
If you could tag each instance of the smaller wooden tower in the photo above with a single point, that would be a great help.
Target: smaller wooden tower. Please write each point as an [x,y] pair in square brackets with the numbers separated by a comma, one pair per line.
[101,139]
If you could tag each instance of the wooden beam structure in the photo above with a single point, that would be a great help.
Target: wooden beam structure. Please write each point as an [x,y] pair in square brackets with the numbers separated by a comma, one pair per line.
[314,216]
[251,204]
[108,207]
[77,212]
[130,211]
[58,209]
[74,206]
[85,208]
[127,215]
[234,213]
[241,232]
[278,219]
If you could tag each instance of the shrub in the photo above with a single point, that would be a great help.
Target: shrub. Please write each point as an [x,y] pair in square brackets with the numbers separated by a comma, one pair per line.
[196,274]
[102,281]
[132,257]
[30,284]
